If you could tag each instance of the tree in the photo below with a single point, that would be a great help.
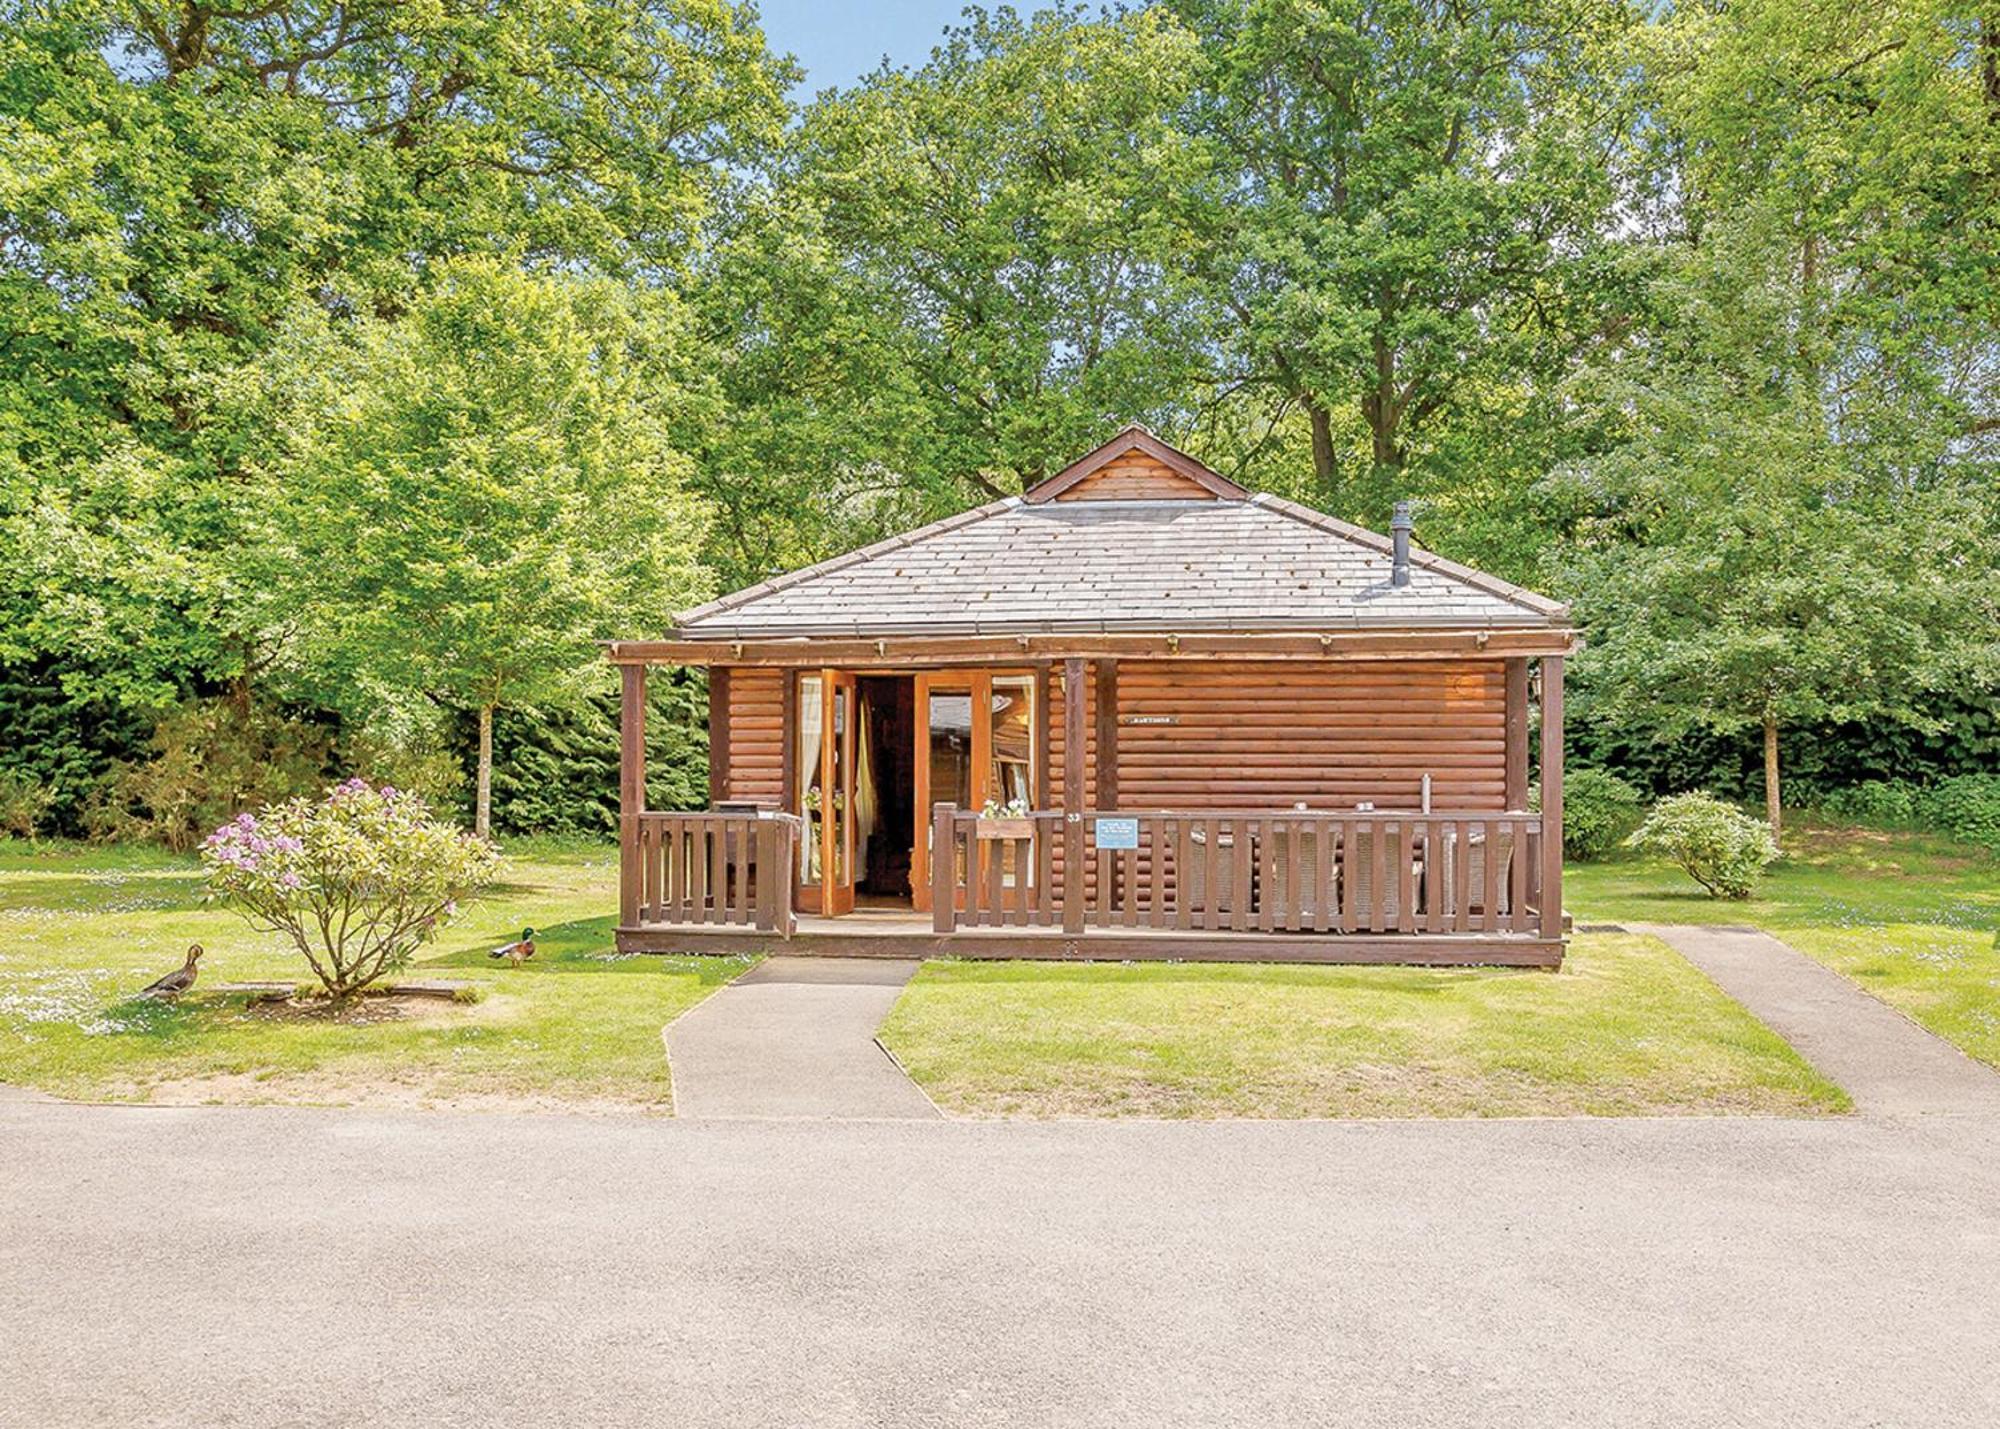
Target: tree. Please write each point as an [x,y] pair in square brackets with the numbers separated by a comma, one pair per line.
[1416,229]
[1796,517]
[1737,572]
[177,178]
[962,275]
[467,499]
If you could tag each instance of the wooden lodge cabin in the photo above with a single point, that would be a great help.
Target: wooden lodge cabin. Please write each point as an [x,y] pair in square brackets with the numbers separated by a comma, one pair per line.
[1136,712]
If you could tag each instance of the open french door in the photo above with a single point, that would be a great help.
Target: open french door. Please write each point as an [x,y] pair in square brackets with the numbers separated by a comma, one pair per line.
[824,741]
[979,739]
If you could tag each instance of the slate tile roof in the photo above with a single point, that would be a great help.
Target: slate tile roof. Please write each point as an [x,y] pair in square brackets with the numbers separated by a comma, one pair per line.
[1113,566]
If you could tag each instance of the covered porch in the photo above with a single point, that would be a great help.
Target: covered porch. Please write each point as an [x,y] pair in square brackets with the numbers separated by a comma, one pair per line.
[1298,882]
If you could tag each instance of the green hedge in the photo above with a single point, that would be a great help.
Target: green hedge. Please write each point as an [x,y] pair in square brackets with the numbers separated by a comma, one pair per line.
[1966,807]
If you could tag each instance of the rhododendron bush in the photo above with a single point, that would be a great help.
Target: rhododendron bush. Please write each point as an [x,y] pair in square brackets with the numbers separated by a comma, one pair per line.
[358,880]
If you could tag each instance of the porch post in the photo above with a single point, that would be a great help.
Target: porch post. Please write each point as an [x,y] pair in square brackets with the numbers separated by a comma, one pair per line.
[1517,734]
[1073,776]
[718,734]
[944,869]
[1552,795]
[631,791]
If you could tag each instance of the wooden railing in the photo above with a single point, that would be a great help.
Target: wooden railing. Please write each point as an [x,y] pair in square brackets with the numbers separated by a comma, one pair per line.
[713,868]
[1382,871]
[993,873]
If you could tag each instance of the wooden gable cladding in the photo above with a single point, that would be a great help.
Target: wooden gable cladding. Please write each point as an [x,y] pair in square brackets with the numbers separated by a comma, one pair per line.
[1141,461]
[1136,476]
[754,702]
[1268,734]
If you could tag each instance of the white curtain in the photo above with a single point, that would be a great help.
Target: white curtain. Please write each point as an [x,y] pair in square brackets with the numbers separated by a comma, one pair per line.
[866,806]
[812,710]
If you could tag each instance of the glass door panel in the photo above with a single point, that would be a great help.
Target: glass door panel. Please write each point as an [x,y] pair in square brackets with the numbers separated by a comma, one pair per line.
[978,743]
[837,781]
[1009,784]
[808,798]
[944,768]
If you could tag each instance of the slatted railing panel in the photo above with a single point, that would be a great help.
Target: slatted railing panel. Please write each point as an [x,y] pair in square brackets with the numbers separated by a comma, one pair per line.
[1269,871]
[717,869]
[1303,871]
[985,874]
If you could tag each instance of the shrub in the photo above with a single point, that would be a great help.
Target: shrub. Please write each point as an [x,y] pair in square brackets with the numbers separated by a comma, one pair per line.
[358,880]
[210,760]
[1890,802]
[1719,846]
[1966,807]
[1599,808]
[24,803]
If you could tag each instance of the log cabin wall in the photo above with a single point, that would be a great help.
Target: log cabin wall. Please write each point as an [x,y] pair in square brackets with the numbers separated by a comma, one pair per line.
[1250,735]
[753,732]
[1223,735]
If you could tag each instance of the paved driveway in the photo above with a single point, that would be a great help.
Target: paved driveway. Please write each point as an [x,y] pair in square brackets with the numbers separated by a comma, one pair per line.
[264,1267]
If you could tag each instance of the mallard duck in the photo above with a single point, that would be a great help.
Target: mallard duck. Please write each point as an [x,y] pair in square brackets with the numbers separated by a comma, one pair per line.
[519,951]
[178,982]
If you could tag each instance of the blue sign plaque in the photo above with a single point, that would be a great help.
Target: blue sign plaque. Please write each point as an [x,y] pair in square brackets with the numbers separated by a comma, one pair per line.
[1117,833]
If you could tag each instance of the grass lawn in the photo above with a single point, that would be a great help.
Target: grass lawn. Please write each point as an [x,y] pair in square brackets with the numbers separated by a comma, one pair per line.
[1910,917]
[1627,1028]
[81,930]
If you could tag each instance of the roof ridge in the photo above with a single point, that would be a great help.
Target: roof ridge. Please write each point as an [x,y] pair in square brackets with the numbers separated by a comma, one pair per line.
[1427,560]
[844,560]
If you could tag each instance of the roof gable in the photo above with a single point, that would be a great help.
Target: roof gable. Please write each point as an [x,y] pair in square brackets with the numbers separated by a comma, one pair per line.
[1135,465]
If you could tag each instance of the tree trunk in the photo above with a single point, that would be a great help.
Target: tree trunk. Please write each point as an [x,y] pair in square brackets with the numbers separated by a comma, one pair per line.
[1325,475]
[482,816]
[1773,806]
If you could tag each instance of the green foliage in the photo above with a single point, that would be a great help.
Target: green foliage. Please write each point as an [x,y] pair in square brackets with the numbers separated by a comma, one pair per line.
[175,181]
[466,500]
[1717,845]
[1599,809]
[209,761]
[963,275]
[1819,757]
[1794,522]
[1885,803]
[358,880]
[555,769]
[24,804]
[1967,808]
[61,734]
[1409,238]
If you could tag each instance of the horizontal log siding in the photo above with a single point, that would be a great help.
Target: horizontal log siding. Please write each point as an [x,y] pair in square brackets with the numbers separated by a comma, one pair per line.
[756,734]
[1267,735]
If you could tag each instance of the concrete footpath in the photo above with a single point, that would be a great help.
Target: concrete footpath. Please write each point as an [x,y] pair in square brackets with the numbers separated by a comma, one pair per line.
[1887,1063]
[795,1037]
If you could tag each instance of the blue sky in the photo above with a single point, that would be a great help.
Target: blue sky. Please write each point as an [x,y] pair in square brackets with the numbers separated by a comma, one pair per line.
[837,43]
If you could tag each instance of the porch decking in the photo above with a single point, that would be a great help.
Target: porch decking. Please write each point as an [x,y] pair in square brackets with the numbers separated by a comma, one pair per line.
[882,934]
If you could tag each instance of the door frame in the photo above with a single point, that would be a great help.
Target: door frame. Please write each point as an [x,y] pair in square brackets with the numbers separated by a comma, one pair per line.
[977,683]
